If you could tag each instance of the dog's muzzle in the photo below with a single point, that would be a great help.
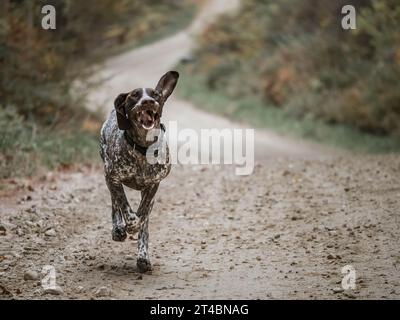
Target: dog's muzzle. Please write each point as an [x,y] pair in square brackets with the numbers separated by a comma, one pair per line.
[148,119]
[148,114]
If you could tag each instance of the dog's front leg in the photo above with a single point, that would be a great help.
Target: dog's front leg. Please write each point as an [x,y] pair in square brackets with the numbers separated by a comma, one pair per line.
[117,198]
[146,204]
[120,211]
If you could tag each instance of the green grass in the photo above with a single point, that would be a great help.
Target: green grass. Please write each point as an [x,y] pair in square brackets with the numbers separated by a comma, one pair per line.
[25,148]
[254,112]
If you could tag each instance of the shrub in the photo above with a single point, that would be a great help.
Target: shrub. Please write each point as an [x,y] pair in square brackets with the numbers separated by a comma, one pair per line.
[295,56]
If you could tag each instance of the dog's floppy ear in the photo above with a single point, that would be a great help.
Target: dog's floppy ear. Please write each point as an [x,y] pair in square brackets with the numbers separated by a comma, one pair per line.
[122,117]
[167,84]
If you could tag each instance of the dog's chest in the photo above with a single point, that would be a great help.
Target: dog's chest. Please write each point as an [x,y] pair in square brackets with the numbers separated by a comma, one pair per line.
[134,171]
[146,175]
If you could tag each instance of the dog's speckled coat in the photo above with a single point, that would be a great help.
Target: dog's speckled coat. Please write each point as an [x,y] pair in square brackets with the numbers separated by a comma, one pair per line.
[135,112]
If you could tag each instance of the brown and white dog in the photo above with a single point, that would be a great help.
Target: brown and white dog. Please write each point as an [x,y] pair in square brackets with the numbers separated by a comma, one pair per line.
[124,144]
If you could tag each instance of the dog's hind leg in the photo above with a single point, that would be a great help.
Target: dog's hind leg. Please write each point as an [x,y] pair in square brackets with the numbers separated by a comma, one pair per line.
[145,207]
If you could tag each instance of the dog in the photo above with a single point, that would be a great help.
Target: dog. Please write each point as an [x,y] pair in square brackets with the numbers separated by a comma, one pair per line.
[124,147]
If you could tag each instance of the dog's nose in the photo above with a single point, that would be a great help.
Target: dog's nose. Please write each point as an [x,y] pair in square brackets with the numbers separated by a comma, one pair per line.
[148,102]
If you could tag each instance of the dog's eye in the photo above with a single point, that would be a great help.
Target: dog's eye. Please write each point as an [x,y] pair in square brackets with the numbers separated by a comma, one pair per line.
[135,95]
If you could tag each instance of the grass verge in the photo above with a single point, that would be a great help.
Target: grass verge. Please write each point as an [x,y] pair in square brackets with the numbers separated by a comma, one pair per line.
[25,147]
[254,112]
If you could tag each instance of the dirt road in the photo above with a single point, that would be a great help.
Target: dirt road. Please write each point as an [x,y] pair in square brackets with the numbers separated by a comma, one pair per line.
[285,231]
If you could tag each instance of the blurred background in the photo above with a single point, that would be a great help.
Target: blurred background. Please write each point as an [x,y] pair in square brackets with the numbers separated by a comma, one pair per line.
[286,65]
[43,122]
[290,66]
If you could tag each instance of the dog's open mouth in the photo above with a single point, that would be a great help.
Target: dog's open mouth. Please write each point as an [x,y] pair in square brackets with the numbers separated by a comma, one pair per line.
[148,118]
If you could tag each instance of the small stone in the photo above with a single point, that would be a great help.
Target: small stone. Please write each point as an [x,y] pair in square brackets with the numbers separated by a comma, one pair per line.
[100,266]
[31,275]
[53,290]
[102,292]
[258,258]
[3,230]
[36,292]
[50,233]
[79,289]
[337,290]
[15,254]
[349,295]
[285,173]
[29,223]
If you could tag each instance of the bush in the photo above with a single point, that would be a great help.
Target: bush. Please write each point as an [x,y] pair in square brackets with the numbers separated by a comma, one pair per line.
[295,56]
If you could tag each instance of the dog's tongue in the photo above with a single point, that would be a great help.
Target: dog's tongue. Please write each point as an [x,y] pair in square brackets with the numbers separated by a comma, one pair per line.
[147,117]
[147,120]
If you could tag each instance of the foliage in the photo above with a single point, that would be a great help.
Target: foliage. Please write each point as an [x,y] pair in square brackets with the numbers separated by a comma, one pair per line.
[39,67]
[295,56]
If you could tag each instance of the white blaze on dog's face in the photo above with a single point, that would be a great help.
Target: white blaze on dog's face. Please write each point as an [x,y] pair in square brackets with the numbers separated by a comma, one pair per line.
[141,109]
[147,118]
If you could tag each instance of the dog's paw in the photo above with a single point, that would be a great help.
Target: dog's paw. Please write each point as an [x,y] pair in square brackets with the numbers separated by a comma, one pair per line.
[132,228]
[119,233]
[132,223]
[143,265]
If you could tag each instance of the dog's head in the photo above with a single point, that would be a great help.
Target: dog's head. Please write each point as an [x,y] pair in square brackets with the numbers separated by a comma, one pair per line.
[141,109]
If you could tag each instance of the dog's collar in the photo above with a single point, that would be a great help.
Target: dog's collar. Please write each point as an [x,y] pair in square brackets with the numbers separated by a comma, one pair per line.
[138,147]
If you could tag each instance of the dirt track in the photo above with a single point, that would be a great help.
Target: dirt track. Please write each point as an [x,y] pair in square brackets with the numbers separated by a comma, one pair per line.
[285,231]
